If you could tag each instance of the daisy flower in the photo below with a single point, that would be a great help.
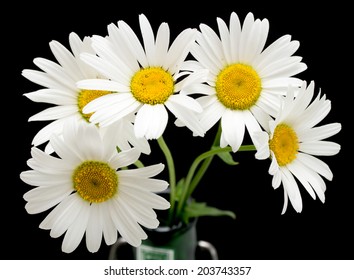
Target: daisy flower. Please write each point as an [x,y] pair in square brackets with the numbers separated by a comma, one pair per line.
[245,80]
[147,79]
[59,82]
[292,142]
[91,190]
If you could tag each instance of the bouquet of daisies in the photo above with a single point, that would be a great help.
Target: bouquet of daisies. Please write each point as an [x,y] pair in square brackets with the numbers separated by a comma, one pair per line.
[112,94]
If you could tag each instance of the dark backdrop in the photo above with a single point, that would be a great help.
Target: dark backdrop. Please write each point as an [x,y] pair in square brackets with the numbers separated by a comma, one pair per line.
[321,231]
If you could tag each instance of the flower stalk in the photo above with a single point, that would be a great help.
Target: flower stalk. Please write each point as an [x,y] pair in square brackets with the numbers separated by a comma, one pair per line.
[172,174]
[194,175]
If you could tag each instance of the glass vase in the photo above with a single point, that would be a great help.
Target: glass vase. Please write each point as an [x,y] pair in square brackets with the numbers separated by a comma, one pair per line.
[169,243]
[166,243]
[176,242]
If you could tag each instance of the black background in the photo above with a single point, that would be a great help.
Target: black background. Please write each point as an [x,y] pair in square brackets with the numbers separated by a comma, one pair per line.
[321,231]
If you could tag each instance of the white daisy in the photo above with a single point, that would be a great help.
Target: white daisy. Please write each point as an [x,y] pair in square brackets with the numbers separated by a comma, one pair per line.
[292,141]
[92,191]
[59,82]
[245,80]
[147,78]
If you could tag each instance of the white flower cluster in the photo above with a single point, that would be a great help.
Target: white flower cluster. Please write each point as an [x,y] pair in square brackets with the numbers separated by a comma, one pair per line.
[112,94]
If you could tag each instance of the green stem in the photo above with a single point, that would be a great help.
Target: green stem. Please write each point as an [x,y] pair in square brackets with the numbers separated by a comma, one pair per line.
[199,175]
[172,174]
[206,162]
[202,171]
[139,164]
[206,157]
[192,169]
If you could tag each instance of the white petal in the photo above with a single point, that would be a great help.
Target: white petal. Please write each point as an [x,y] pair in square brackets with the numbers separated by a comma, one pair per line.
[188,118]
[315,181]
[254,42]
[139,217]
[150,199]
[235,34]
[274,167]
[114,111]
[53,96]
[46,163]
[292,189]
[57,212]
[251,123]
[262,117]
[151,121]
[109,70]
[94,229]
[127,129]
[148,38]
[115,102]
[296,169]
[35,178]
[67,216]
[225,39]
[261,139]
[233,128]
[186,101]
[110,233]
[63,150]
[44,134]
[44,80]
[286,200]
[133,41]
[147,171]
[212,46]
[128,228]
[212,114]
[320,148]
[153,185]
[102,84]
[162,43]
[56,112]
[179,50]
[41,199]
[66,58]
[193,82]
[76,230]
[316,164]
[56,72]
[125,158]
[320,132]
[281,83]
[143,209]
[276,181]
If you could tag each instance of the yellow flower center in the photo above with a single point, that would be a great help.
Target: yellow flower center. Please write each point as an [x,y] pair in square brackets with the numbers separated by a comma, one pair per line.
[238,86]
[152,85]
[284,144]
[95,181]
[86,96]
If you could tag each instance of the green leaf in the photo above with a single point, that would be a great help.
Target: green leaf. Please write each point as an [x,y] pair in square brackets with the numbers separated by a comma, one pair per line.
[198,209]
[179,188]
[225,157]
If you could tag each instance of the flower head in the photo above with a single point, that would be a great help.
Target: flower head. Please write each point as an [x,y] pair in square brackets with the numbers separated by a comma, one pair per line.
[245,80]
[293,141]
[60,90]
[91,190]
[146,79]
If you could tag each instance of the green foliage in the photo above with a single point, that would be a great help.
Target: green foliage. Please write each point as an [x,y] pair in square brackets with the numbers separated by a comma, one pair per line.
[198,209]
[225,156]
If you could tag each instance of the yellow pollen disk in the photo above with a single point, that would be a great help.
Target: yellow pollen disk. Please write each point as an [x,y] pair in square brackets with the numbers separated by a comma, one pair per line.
[152,85]
[238,86]
[95,181]
[284,144]
[86,96]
